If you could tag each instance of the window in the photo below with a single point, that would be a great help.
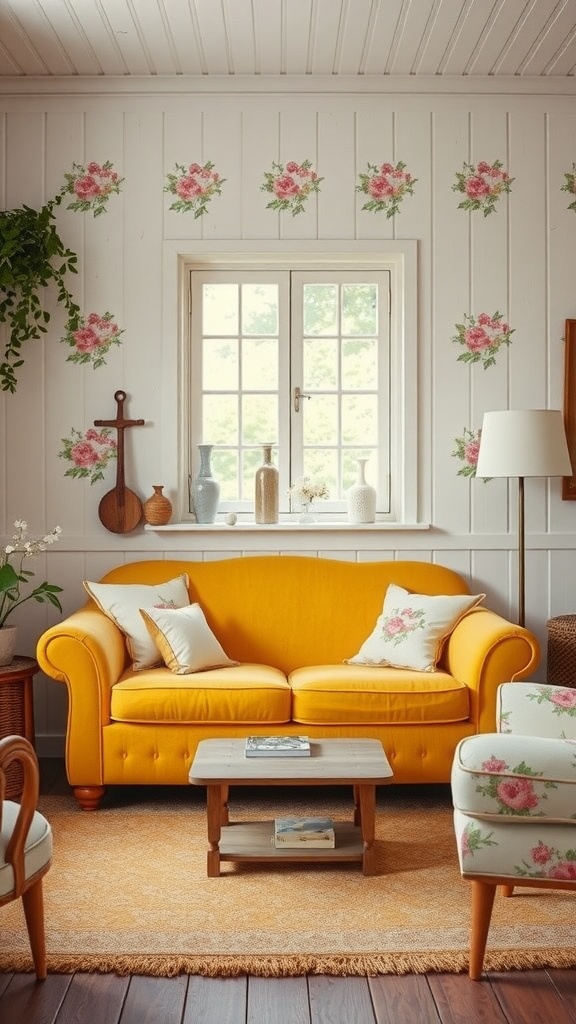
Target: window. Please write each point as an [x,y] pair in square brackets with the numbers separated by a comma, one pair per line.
[307,355]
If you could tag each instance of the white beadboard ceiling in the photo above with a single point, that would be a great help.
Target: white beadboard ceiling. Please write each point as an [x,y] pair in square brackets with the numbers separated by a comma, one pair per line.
[328,38]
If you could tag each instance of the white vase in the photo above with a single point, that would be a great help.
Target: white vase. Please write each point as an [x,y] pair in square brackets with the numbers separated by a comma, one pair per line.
[361,497]
[8,636]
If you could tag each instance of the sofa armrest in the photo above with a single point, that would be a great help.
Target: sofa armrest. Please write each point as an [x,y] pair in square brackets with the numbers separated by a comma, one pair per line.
[86,651]
[485,650]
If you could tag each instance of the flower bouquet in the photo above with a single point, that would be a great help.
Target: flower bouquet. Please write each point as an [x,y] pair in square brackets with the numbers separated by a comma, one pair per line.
[13,576]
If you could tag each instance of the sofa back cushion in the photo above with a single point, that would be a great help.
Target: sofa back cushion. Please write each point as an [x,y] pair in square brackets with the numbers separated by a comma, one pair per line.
[292,610]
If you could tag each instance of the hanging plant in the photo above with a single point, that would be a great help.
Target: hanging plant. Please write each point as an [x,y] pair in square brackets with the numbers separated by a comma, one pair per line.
[32,256]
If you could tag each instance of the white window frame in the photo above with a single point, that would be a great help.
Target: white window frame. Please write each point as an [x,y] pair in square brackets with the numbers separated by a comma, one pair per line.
[399,258]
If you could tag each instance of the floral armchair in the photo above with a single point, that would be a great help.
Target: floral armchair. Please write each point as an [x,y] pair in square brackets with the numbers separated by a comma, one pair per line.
[514,795]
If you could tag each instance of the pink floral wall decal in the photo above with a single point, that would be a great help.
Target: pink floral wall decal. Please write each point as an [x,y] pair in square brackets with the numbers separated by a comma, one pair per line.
[92,339]
[466,450]
[194,187]
[89,453]
[91,186]
[482,185]
[570,186]
[386,185]
[482,338]
[291,185]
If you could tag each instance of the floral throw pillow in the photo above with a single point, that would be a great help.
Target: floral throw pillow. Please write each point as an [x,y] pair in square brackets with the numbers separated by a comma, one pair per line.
[122,603]
[412,628]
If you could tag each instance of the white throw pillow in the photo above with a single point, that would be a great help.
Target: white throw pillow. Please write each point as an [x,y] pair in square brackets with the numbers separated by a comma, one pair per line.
[412,628]
[121,602]
[184,639]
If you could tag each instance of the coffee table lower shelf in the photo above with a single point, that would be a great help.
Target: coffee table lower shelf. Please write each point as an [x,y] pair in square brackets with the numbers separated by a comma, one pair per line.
[253,841]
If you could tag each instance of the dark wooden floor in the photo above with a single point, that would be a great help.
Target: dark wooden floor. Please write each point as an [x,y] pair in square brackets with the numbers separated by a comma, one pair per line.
[535,997]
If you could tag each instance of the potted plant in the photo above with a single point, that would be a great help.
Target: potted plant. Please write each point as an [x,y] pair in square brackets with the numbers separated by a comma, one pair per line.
[13,576]
[32,256]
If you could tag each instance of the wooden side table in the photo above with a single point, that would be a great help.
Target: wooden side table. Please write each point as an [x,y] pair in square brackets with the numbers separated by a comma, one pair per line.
[17,711]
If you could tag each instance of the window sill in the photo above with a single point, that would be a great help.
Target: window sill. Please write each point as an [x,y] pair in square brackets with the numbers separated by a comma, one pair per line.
[287,526]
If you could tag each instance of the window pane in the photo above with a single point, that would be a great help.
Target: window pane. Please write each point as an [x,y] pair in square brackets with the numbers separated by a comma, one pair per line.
[360,364]
[259,419]
[359,309]
[259,364]
[321,420]
[220,309]
[251,459]
[320,309]
[322,463]
[320,364]
[360,419]
[220,364]
[220,419]
[225,470]
[350,466]
[259,309]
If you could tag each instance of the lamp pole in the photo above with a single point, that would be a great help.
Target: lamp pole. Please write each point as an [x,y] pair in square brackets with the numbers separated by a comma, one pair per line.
[521,553]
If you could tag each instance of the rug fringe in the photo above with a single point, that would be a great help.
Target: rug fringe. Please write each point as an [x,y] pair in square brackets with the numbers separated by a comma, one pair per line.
[170,965]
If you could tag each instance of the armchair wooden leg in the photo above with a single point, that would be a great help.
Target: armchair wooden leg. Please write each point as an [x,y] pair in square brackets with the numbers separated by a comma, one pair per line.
[482,902]
[507,890]
[33,902]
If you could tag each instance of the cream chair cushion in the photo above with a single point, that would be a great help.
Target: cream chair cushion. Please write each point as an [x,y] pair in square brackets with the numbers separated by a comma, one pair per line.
[37,850]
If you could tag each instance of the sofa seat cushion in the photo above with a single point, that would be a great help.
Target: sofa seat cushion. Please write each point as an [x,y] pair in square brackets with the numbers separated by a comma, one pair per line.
[240,693]
[354,694]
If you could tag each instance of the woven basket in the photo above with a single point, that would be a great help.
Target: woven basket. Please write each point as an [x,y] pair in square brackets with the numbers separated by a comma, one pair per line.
[561,664]
[12,722]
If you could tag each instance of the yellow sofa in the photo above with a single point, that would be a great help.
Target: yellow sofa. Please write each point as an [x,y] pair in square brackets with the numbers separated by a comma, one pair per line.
[291,622]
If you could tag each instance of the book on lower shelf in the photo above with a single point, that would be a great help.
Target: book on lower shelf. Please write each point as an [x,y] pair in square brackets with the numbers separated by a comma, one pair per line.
[277,746]
[304,833]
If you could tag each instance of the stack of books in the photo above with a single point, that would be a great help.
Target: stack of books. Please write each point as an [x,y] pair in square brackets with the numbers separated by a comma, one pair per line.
[304,833]
[277,746]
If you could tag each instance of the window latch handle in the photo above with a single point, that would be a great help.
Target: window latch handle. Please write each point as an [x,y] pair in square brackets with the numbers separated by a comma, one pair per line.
[298,394]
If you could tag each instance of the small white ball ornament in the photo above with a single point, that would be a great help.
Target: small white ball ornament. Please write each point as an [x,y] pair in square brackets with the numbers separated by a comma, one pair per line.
[231,519]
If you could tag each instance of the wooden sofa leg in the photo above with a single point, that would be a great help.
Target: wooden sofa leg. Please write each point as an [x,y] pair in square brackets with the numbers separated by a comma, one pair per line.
[507,890]
[33,902]
[89,797]
[482,902]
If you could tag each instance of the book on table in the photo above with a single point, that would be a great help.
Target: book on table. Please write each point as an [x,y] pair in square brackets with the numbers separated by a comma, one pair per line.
[277,746]
[304,833]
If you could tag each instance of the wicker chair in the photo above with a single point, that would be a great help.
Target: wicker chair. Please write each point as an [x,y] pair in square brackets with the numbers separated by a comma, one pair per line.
[514,795]
[25,845]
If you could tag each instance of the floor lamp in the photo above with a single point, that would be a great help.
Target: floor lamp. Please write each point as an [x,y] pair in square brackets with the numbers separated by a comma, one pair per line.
[521,443]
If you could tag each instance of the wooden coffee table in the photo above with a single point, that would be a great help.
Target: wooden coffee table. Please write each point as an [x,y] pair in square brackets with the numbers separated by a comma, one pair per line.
[219,764]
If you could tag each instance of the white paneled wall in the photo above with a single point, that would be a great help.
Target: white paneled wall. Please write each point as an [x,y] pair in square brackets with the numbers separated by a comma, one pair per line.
[517,261]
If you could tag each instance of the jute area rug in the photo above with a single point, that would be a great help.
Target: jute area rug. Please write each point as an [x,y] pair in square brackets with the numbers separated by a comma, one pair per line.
[128,893]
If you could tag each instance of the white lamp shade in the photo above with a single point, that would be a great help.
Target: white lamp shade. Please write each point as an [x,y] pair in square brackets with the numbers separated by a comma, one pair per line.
[523,442]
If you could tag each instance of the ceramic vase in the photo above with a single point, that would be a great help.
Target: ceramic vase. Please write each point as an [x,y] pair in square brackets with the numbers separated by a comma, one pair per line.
[361,497]
[205,496]
[8,636]
[157,509]
[266,489]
